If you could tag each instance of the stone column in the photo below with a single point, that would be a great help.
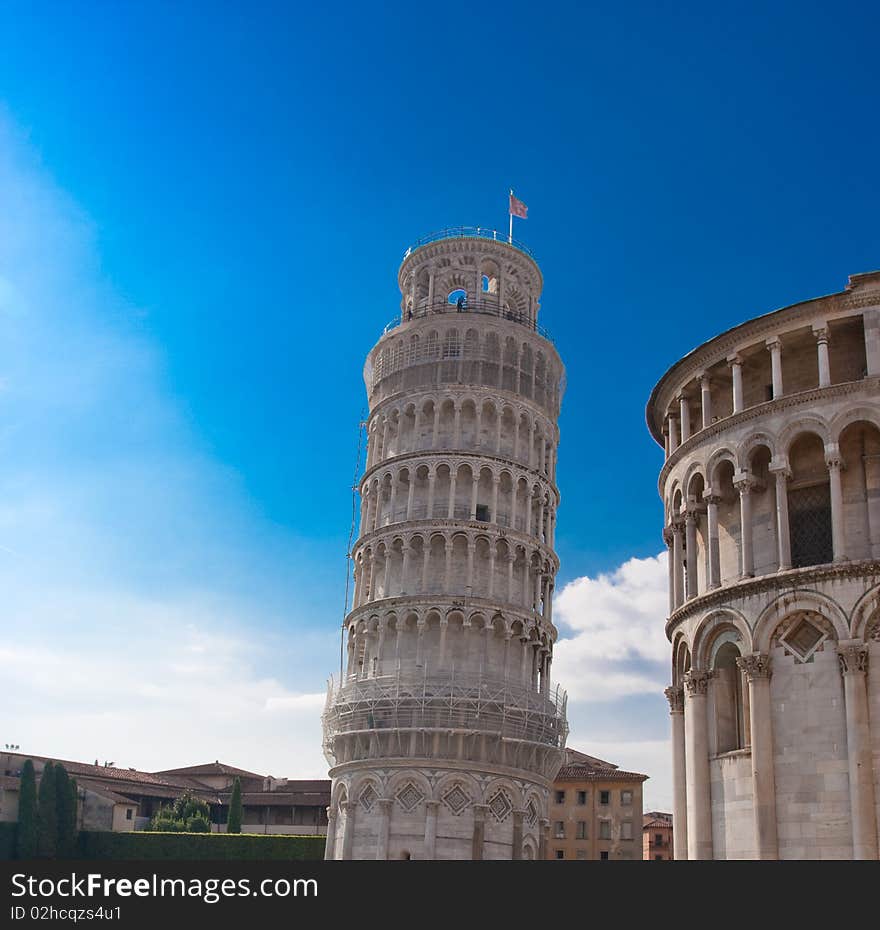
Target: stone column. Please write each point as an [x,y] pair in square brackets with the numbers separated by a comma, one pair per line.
[853,656]
[496,481]
[783,529]
[673,433]
[471,550]
[872,340]
[744,485]
[392,504]
[491,568]
[775,346]
[404,570]
[426,560]
[444,624]
[516,850]
[436,429]
[432,479]
[384,827]
[386,577]
[474,495]
[757,669]
[690,523]
[330,845]
[447,570]
[479,831]
[706,399]
[456,436]
[350,808]
[685,411]
[431,808]
[453,479]
[821,334]
[714,564]
[675,696]
[410,495]
[838,533]
[735,362]
[670,565]
[531,458]
[699,814]
[420,638]
[510,560]
[677,569]
[380,647]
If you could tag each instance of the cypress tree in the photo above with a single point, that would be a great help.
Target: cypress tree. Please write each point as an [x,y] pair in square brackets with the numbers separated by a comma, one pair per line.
[26,842]
[233,823]
[65,812]
[47,814]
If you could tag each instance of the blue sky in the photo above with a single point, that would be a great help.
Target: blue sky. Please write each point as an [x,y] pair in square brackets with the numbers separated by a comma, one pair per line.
[202,210]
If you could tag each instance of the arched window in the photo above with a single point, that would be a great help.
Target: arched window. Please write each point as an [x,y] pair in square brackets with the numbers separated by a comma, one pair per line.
[728,696]
[809,503]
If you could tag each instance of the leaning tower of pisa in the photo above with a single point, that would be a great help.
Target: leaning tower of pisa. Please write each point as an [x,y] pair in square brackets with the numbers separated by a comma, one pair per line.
[443,730]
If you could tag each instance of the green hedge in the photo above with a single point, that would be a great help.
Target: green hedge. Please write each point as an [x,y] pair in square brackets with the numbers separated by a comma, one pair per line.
[143,845]
[7,840]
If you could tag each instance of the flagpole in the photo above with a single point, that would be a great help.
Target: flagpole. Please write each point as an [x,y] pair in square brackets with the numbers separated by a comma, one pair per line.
[510,234]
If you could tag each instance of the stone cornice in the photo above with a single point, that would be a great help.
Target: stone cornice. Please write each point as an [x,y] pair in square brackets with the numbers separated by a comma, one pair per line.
[457,457]
[790,581]
[443,765]
[868,386]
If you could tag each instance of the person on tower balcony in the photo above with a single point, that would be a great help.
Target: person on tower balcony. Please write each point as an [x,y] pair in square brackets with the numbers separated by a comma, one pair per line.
[459,304]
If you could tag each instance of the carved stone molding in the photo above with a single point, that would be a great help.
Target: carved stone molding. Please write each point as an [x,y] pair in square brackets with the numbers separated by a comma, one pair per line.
[755,665]
[696,682]
[853,657]
[675,696]
[788,582]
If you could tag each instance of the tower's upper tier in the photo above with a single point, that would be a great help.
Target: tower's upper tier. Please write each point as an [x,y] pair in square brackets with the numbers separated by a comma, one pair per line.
[470,267]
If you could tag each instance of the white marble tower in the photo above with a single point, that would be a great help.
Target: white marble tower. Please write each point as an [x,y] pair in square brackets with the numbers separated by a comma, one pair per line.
[444,733]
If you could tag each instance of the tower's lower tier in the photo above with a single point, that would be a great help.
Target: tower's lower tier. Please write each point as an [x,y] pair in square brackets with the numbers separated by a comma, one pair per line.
[397,810]
[435,768]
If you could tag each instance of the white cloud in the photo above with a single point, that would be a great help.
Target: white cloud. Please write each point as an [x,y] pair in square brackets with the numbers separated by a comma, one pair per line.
[612,641]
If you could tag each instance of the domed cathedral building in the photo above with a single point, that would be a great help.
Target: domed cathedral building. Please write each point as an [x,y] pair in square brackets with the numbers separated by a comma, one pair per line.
[444,731]
[771,493]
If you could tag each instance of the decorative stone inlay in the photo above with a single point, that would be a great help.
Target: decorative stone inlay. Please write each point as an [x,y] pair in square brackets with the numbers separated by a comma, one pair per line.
[696,682]
[853,658]
[675,696]
[456,799]
[532,814]
[755,665]
[500,805]
[409,796]
[873,632]
[368,798]
[802,634]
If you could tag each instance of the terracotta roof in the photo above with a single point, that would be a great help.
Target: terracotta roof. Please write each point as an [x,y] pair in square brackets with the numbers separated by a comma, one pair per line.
[581,767]
[109,772]
[210,768]
[104,792]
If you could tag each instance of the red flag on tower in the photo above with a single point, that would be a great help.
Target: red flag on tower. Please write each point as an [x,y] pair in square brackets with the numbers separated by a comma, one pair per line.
[518,208]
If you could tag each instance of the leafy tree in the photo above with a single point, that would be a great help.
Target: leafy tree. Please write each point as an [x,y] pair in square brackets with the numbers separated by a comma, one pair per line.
[27,813]
[65,808]
[188,814]
[47,814]
[233,824]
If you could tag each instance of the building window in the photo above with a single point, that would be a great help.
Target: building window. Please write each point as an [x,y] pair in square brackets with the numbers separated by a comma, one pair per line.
[582,854]
[604,829]
[560,797]
[559,828]
[603,854]
[582,830]
[728,697]
[560,853]
[582,797]
[658,839]
[626,798]
[604,797]
[128,813]
[482,513]
[626,830]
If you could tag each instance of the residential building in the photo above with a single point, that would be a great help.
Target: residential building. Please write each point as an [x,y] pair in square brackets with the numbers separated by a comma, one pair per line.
[657,836]
[595,811]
